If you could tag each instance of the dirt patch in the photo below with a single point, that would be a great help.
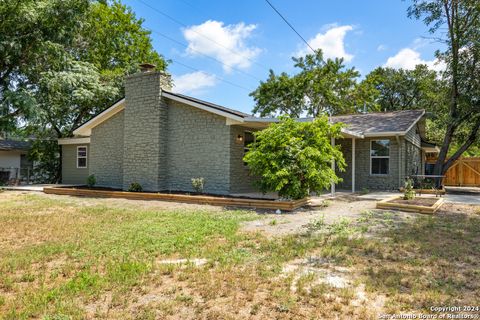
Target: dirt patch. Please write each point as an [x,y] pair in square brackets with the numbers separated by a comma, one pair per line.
[418,201]
[298,221]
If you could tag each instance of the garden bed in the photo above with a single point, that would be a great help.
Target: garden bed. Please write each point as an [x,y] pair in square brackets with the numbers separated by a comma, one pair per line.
[427,191]
[418,204]
[178,197]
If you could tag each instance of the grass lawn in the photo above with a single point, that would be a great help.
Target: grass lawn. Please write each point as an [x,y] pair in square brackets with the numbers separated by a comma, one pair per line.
[63,259]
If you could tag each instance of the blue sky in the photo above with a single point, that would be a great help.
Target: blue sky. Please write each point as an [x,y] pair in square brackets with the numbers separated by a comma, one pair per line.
[230,45]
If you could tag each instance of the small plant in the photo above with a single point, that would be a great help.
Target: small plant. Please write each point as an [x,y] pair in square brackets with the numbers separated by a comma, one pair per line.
[197,184]
[135,187]
[365,191]
[317,224]
[91,181]
[409,193]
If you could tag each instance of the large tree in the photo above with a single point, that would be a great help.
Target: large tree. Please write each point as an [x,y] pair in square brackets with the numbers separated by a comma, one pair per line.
[401,89]
[65,62]
[456,23]
[320,87]
[31,31]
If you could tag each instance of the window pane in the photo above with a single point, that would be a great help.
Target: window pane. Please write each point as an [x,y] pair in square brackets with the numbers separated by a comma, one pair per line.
[380,148]
[82,162]
[380,165]
[82,152]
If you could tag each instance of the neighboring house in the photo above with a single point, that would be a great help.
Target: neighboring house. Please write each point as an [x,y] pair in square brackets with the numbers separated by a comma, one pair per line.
[13,159]
[162,140]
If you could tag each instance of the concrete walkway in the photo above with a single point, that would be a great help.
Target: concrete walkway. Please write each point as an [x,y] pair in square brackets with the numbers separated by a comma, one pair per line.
[450,197]
[34,187]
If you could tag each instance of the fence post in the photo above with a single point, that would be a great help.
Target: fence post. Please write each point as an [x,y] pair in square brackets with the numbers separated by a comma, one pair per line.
[460,172]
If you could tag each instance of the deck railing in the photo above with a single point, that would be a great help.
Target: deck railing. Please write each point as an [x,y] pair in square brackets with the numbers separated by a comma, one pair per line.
[15,176]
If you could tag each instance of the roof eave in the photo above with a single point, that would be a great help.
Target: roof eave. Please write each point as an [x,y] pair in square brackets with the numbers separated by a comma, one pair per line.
[86,128]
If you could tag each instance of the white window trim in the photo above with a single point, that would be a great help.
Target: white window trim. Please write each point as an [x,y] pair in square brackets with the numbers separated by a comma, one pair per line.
[380,157]
[85,157]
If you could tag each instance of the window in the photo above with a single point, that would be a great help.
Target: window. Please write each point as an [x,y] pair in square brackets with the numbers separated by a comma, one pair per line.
[380,157]
[81,157]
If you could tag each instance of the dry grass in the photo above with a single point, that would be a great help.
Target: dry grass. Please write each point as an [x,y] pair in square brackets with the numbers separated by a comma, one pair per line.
[60,259]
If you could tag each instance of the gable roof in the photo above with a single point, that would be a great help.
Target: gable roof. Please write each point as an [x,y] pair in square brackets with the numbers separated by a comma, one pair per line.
[14,145]
[381,123]
[357,125]
[205,103]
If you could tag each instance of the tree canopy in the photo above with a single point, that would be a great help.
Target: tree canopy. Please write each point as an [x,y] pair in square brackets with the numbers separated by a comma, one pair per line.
[461,21]
[320,87]
[65,61]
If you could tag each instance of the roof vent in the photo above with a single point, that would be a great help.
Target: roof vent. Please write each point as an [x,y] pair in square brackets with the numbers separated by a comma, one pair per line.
[147,67]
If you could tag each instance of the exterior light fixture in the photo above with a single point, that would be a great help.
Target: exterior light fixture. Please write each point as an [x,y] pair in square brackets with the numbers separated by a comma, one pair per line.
[239,138]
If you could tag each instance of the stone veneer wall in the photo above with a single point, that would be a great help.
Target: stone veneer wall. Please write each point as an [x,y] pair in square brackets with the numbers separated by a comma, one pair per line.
[414,164]
[346,147]
[106,152]
[240,179]
[146,121]
[363,178]
[198,145]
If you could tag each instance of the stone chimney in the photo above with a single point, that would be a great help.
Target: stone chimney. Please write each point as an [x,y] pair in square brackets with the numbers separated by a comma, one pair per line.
[145,129]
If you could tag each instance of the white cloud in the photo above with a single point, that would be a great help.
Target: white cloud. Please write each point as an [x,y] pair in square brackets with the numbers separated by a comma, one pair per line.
[331,42]
[408,58]
[230,45]
[382,47]
[193,82]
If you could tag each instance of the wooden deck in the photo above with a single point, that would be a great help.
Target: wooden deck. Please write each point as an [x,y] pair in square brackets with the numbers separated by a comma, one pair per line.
[185,198]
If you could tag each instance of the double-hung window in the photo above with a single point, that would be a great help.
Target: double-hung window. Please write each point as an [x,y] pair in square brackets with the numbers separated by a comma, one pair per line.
[81,157]
[379,157]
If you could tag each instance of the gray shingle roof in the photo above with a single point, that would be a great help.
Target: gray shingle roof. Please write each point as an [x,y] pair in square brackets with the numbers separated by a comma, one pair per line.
[9,145]
[395,121]
[211,105]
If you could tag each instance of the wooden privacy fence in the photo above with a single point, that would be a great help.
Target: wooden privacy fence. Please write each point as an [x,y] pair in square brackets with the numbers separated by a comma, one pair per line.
[465,172]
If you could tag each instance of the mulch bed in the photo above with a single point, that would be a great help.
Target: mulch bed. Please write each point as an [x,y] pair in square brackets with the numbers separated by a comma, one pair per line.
[426,202]
[172,192]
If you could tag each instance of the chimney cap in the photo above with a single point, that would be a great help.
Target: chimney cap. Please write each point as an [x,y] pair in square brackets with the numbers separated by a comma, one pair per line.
[147,67]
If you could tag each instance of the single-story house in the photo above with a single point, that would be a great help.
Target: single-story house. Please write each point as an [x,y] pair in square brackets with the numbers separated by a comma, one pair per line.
[13,158]
[163,139]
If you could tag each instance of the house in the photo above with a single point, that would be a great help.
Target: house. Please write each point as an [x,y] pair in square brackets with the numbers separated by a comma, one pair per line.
[162,140]
[13,159]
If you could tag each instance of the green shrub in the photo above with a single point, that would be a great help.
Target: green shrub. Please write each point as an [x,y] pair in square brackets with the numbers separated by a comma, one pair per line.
[409,193]
[135,187]
[197,184]
[91,181]
[295,158]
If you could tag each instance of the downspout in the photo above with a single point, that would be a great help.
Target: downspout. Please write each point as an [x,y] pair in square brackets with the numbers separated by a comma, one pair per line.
[399,161]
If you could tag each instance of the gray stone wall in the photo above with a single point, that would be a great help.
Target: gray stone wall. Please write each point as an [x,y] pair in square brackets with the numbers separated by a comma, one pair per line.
[70,173]
[146,118]
[106,152]
[198,146]
[363,178]
[346,147]
[240,179]
[414,159]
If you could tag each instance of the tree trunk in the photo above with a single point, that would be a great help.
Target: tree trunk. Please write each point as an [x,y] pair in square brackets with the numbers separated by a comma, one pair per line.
[439,165]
